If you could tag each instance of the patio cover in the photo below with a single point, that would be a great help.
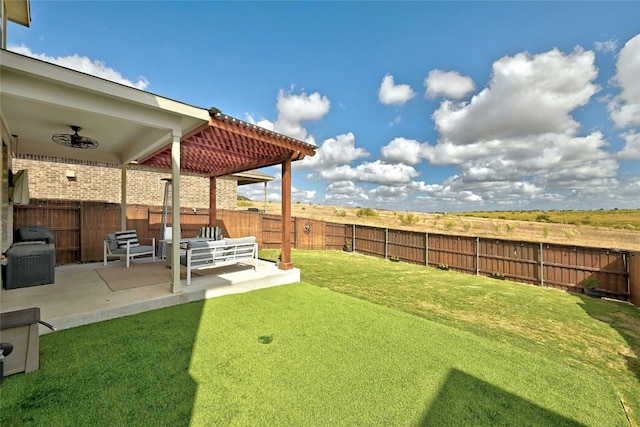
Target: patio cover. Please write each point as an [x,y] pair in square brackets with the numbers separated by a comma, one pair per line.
[38,99]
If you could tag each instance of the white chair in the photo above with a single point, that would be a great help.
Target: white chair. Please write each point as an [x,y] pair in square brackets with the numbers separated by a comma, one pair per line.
[126,244]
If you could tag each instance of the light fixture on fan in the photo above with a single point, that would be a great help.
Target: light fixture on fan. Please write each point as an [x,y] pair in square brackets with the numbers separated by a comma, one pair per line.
[74,140]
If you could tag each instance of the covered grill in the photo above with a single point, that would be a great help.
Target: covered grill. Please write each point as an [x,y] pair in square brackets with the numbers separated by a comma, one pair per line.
[31,260]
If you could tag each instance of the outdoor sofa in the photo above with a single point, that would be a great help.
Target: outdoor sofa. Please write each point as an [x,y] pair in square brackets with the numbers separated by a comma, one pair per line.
[216,253]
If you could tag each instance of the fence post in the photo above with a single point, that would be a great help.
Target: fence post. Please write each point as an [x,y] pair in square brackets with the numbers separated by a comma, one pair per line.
[353,237]
[426,249]
[386,243]
[477,256]
[541,265]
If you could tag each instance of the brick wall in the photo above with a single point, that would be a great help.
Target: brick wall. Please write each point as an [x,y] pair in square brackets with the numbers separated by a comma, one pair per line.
[54,178]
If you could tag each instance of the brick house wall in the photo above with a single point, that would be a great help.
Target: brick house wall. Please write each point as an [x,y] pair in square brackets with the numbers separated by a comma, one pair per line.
[63,179]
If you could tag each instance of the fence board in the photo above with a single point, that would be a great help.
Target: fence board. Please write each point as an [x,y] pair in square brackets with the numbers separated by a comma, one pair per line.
[370,241]
[407,246]
[336,235]
[98,220]
[61,218]
[310,234]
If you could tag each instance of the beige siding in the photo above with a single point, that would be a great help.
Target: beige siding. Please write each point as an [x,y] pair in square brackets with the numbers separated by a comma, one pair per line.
[90,181]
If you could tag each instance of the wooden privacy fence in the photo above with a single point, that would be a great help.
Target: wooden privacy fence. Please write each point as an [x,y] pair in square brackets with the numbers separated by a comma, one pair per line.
[558,266]
[80,228]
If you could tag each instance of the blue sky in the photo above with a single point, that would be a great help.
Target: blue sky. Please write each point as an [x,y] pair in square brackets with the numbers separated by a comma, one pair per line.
[416,106]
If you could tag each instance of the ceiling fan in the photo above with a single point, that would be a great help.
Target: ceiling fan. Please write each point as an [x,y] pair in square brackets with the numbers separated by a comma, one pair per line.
[74,140]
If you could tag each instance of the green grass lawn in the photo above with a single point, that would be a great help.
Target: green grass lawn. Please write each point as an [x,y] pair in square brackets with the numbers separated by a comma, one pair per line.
[410,349]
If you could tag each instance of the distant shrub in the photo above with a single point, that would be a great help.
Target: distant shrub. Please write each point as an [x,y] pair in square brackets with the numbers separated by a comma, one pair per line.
[545,231]
[511,228]
[243,203]
[366,213]
[340,212]
[570,232]
[543,218]
[497,227]
[450,223]
[408,219]
[466,225]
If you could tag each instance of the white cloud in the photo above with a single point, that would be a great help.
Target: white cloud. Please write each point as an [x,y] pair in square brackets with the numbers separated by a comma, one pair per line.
[333,151]
[345,193]
[527,95]
[395,121]
[293,111]
[448,84]
[388,194]
[376,172]
[625,108]
[607,46]
[84,65]
[402,150]
[631,149]
[392,94]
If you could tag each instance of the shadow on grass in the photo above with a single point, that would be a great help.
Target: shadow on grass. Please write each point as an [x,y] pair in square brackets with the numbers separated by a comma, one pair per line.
[465,400]
[625,320]
[127,371]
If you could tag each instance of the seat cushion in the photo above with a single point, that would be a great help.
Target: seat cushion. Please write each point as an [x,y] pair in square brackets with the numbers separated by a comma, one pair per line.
[197,244]
[112,242]
[240,241]
[134,250]
[122,237]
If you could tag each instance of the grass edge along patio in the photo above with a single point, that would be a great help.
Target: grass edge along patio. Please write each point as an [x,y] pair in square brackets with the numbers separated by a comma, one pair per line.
[360,341]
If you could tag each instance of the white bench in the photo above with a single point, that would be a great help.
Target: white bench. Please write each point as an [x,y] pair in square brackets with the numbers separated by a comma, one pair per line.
[216,253]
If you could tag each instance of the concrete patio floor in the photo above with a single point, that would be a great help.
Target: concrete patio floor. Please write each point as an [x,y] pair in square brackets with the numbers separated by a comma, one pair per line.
[79,296]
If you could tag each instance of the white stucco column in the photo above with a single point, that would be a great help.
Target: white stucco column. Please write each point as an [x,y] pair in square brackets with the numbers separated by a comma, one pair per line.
[176,286]
[123,198]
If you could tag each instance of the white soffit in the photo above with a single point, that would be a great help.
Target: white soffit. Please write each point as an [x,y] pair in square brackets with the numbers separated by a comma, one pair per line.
[39,99]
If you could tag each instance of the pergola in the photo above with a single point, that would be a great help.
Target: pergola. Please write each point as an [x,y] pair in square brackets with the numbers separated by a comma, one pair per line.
[226,145]
[38,99]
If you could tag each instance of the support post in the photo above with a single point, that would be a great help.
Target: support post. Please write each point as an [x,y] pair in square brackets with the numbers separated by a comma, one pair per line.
[213,203]
[285,254]
[123,197]
[265,197]
[176,286]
